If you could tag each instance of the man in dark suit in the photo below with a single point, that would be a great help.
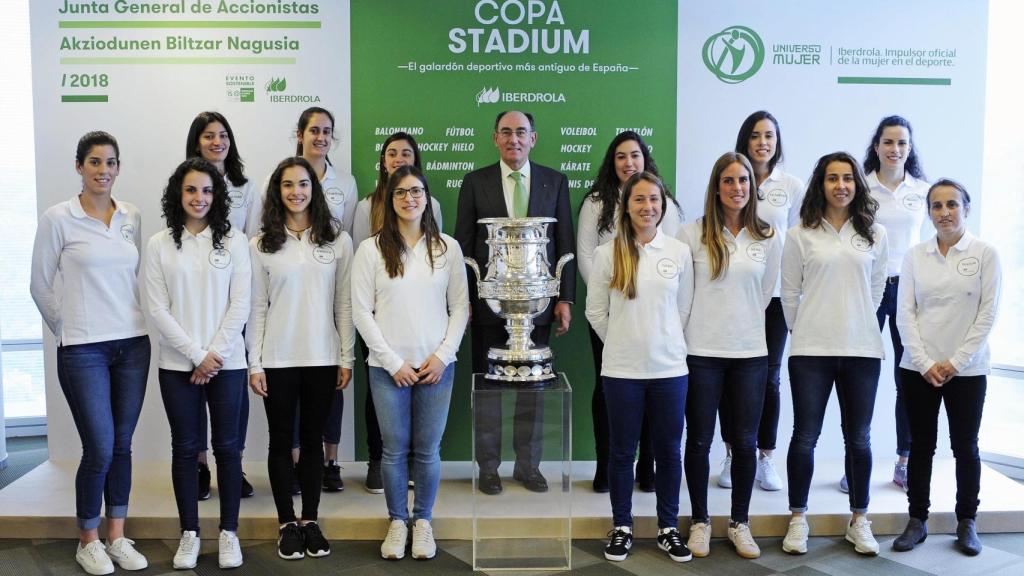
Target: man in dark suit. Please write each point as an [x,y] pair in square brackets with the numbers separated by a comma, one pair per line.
[514,187]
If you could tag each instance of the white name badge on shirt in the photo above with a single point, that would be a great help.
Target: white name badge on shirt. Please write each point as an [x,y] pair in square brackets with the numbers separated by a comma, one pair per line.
[757,252]
[440,261]
[235,198]
[128,233]
[913,202]
[667,268]
[323,254]
[334,195]
[220,258]
[860,243]
[968,266]
[777,197]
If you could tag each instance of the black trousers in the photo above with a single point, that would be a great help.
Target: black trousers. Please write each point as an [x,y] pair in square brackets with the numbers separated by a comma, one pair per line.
[527,428]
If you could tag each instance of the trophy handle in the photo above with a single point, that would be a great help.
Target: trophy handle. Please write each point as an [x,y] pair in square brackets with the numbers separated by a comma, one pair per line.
[476,267]
[561,264]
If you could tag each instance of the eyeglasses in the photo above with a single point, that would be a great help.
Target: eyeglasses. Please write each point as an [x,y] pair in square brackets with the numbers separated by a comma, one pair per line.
[507,133]
[416,192]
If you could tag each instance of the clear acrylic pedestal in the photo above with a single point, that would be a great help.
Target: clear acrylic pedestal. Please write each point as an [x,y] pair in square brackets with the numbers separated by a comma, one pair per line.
[519,529]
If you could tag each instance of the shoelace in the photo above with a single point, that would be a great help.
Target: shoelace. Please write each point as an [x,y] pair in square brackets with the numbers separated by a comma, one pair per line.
[188,544]
[801,528]
[92,550]
[422,534]
[673,538]
[617,537]
[227,540]
[743,535]
[122,547]
[394,536]
[698,534]
[863,530]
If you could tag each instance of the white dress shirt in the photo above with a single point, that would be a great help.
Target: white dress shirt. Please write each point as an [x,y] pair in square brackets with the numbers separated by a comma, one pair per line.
[902,213]
[947,305]
[361,222]
[198,297]
[301,304]
[99,296]
[588,238]
[246,207]
[339,191]
[779,199]
[508,184]
[643,337]
[832,283]
[410,317]
[727,316]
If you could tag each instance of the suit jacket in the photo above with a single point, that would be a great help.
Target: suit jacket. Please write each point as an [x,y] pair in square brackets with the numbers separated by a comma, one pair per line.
[482,196]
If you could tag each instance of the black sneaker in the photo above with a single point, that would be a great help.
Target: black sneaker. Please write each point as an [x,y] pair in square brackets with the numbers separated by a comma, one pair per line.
[247,489]
[332,477]
[374,480]
[671,542]
[291,544]
[619,543]
[204,482]
[316,545]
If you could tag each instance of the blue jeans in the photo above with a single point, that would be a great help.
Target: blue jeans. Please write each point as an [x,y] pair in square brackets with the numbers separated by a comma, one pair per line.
[184,402]
[243,423]
[105,384]
[411,419]
[664,402]
[742,382]
[888,308]
[856,381]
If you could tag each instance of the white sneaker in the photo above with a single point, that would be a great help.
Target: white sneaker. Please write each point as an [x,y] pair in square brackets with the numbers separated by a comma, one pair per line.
[93,558]
[766,476]
[229,551]
[123,552]
[743,541]
[795,541]
[188,551]
[393,547]
[858,532]
[423,546]
[699,541]
[725,478]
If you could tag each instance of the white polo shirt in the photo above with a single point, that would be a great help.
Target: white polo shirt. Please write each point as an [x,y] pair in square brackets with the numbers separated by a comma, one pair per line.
[832,283]
[246,207]
[948,304]
[361,223]
[588,238]
[643,338]
[902,213]
[198,297]
[339,190]
[779,199]
[301,304]
[99,296]
[727,316]
[410,317]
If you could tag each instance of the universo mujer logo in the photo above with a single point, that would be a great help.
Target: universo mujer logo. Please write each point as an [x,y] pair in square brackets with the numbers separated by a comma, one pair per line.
[734,54]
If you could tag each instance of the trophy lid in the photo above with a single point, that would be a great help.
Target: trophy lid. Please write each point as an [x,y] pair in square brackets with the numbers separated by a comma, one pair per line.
[529,221]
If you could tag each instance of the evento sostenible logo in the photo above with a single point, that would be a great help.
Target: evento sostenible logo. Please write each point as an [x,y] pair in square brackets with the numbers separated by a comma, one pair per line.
[488,96]
[276,85]
[734,54]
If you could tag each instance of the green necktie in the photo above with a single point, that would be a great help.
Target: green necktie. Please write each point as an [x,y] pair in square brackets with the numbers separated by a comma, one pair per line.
[520,199]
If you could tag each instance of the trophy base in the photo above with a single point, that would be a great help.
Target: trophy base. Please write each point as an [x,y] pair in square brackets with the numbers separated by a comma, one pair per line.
[515,367]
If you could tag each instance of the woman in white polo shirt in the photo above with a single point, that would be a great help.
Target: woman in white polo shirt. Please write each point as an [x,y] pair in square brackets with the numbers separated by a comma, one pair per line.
[833,275]
[198,281]
[896,181]
[299,338]
[638,302]
[627,154]
[409,269]
[92,243]
[779,195]
[948,299]
[736,258]
[211,138]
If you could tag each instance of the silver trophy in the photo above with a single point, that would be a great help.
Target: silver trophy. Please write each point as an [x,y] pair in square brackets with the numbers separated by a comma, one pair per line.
[518,287]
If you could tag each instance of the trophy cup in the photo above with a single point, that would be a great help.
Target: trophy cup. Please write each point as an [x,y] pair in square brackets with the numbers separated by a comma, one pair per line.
[518,287]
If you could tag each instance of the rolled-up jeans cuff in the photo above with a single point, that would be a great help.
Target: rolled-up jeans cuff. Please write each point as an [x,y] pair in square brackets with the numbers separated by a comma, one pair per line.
[88,523]
[798,509]
[859,510]
[117,511]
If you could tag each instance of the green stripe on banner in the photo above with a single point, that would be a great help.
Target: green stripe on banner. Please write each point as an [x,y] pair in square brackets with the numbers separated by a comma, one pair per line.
[898,81]
[154,60]
[83,98]
[130,24]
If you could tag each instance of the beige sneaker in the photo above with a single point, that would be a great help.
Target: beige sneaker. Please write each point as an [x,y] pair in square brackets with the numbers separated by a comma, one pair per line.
[699,542]
[393,547]
[743,540]
[795,541]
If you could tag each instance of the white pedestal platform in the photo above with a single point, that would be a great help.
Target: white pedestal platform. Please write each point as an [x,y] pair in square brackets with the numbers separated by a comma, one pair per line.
[41,504]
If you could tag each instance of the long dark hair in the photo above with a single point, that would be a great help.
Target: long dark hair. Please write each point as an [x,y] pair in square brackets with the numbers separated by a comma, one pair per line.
[174,212]
[324,227]
[913,163]
[234,168]
[606,186]
[380,196]
[300,128]
[389,239]
[862,207]
[743,140]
